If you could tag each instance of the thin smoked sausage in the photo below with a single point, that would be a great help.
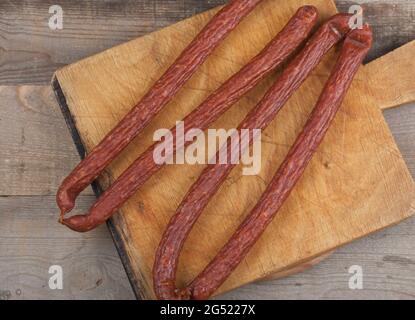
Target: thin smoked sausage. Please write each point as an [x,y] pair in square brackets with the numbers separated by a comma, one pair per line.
[293,34]
[354,50]
[151,104]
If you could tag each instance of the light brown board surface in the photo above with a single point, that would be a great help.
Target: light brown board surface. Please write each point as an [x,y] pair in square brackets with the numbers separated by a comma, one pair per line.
[339,199]
[391,77]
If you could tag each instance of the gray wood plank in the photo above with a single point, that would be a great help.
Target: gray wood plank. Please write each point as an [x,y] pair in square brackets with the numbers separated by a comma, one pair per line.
[30,52]
[31,240]
[37,150]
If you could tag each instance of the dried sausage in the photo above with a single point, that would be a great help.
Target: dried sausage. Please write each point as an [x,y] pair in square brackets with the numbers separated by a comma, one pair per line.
[216,104]
[151,104]
[231,91]
[213,176]
[354,49]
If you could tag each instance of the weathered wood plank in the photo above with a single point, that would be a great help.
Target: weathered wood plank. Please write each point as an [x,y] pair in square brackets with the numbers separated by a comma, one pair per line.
[31,241]
[36,148]
[30,52]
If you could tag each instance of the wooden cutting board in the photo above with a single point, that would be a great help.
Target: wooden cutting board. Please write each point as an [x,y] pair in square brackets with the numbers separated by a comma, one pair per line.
[356,184]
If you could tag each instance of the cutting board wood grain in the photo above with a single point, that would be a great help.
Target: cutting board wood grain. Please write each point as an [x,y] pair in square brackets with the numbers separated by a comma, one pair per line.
[356,184]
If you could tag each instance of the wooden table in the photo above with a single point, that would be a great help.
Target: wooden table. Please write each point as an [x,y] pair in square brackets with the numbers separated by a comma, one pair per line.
[37,152]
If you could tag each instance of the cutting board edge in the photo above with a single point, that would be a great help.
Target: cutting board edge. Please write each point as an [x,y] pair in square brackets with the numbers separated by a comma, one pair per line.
[76,137]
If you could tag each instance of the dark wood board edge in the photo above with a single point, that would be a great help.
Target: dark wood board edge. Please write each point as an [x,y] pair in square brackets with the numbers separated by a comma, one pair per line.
[117,238]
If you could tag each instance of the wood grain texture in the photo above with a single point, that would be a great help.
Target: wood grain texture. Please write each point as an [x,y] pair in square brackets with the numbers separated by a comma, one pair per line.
[385,90]
[37,148]
[30,52]
[339,199]
[31,241]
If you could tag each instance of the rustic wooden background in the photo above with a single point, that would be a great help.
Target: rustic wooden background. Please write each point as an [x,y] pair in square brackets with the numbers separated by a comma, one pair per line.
[37,152]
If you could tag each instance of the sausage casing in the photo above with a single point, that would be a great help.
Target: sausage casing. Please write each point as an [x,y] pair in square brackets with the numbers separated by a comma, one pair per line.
[151,104]
[292,35]
[354,49]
